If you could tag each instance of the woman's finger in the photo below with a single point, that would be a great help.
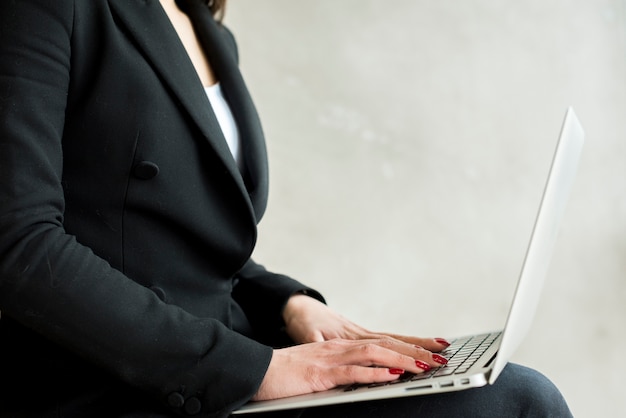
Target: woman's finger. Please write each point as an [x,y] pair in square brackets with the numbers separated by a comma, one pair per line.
[430,344]
[347,375]
[391,353]
[409,346]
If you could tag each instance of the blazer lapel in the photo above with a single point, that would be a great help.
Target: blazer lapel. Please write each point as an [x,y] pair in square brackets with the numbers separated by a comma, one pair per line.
[221,50]
[147,22]
[250,130]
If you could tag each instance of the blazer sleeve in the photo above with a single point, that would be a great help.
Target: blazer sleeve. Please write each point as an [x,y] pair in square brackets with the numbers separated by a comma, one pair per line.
[263,296]
[51,283]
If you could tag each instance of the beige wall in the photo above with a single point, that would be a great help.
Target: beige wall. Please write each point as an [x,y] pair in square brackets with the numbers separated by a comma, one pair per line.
[409,141]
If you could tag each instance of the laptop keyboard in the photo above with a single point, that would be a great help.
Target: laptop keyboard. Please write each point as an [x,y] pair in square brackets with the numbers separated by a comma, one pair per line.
[461,354]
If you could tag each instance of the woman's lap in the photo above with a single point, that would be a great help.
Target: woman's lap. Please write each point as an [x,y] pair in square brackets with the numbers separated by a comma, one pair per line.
[518,392]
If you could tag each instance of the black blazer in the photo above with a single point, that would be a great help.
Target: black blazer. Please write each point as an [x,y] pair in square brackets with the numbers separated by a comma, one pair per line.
[126,227]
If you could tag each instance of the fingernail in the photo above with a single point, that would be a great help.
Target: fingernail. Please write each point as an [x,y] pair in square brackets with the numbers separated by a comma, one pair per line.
[442,341]
[422,365]
[440,359]
[396,371]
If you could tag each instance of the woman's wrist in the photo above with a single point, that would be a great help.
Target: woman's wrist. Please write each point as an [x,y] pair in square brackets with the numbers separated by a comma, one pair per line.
[295,304]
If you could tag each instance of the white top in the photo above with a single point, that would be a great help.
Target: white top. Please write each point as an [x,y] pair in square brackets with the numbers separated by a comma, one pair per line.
[226,120]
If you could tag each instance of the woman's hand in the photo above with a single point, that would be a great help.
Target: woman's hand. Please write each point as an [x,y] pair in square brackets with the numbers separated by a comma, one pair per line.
[324,365]
[309,320]
[334,351]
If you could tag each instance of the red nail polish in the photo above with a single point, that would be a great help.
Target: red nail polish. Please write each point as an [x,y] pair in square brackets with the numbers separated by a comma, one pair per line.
[422,365]
[440,359]
[396,371]
[442,341]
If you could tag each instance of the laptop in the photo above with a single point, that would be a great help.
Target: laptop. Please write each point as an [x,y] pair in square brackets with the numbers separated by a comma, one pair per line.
[477,360]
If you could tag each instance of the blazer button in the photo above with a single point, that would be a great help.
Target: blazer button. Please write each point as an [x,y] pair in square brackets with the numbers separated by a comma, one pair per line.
[193,406]
[175,400]
[146,170]
[159,292]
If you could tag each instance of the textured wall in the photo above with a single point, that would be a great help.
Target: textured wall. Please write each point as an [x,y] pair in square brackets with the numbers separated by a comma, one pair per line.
[409,142]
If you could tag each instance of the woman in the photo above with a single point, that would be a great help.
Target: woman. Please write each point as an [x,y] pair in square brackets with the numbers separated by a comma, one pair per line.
[132,176]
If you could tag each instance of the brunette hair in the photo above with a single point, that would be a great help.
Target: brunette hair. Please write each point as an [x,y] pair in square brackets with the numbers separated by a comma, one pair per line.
[217,8]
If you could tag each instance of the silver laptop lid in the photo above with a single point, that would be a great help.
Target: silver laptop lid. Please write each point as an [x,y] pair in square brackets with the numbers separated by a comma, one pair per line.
[543,238]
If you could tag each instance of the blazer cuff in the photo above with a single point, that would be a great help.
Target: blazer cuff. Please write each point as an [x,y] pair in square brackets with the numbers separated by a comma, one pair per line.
[263,295]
